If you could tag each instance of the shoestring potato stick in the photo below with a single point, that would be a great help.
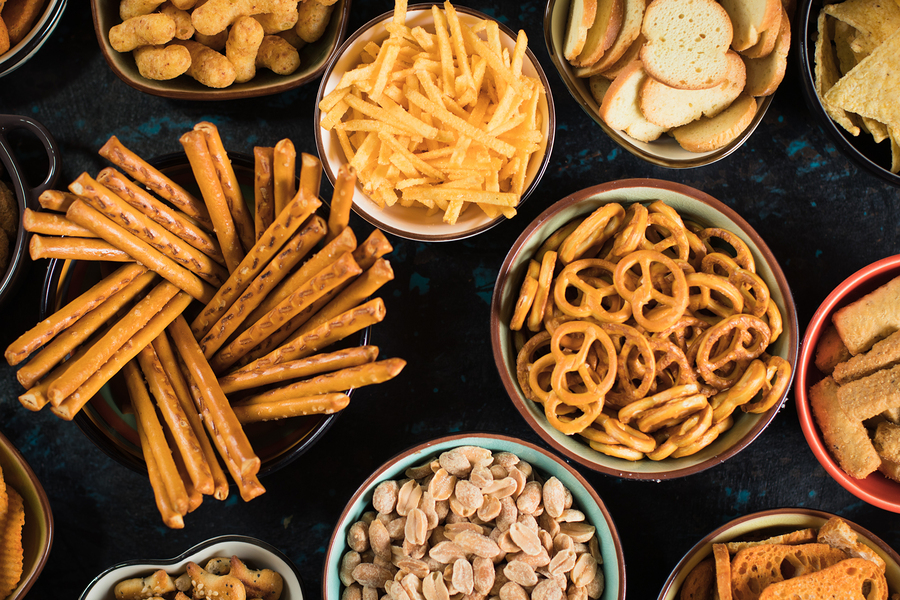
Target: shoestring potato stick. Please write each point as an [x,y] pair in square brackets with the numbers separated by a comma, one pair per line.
[75,248]
[34,398]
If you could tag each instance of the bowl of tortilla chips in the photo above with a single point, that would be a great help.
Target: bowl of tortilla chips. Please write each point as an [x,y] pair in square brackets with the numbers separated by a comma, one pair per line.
[850,65]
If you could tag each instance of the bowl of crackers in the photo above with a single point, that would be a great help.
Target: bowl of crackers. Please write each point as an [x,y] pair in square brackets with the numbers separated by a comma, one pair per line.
[847,398]
[436,165]
[225,566]
[679,84]
[849,60]
[474,513]
[27,523]
[25,25]
[643,329]
[786,553]
[219,50]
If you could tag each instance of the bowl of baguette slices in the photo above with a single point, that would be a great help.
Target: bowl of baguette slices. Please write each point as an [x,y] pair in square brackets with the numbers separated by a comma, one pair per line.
[846,391]
[849,58]
[786,553]
[678,83]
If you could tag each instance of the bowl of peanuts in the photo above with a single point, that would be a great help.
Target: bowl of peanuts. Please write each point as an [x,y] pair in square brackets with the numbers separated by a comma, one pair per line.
[476,513]
[644,329]
[219,50]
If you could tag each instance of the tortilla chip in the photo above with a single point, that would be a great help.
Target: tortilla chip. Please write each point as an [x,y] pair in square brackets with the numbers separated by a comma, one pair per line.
[827,74]
[843,36]
[876,21]
[11,552]
[894,133]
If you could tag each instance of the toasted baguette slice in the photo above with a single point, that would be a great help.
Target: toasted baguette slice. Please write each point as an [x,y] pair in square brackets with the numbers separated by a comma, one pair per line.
[750,18]
[581,17]
[687,41]
[766,41]
[602,34]
[837,533]
[765,74]
[669,107]
[632,17]
[621,105]
[711,133]
[700,583]
[599,85]
[847,580]
[754,569]
[846,439]
[632,54]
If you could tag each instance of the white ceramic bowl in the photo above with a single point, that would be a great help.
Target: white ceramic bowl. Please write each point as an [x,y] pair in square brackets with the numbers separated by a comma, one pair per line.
[28,46]
[413,223]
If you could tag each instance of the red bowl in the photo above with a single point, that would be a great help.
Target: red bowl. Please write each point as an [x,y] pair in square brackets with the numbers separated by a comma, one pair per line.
[875,489]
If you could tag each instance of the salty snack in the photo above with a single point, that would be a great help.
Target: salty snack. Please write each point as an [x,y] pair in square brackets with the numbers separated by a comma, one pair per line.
[12,521]
[471,521]
[17,17]
[9,223]
[644,335]
[439,119]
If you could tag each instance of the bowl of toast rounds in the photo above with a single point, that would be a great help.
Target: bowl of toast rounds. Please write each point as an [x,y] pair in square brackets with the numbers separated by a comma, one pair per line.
[440,508]
[849,62]
[220,50]
[679,84]
[25,25]
[619,363]
[786,553]
[447,176]
[847,397]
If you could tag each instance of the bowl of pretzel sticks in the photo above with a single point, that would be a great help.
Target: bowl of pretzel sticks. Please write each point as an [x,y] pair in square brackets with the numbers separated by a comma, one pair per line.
[644,329]
[242,344]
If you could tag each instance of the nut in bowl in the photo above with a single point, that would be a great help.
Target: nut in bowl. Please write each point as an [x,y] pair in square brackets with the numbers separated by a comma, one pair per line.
[433,165]
[628,77]
[582,323]
[854,447]
[516,486]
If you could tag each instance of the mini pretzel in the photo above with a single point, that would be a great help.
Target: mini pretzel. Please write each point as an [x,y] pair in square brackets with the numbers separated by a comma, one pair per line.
[750,383]
[708,437]
[716,294]
[554,408]
[536,347]
[591,232]
[663,309]
[773,317]
[631,236]
[576,363]
[666,232]
[524,302]
[743,255]
[778,377]
[596,296]
[625,434]
[671,412]
[684,434]
[635,409]
[672,365]
[744,337]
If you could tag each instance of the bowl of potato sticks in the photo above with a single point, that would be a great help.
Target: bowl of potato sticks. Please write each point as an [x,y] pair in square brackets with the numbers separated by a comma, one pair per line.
[220,50]
[849,62]
[213,568]
[206,356]
[844,377]
[644,329]
[27,25]
[602,53]
[451,150]
[471,514]
[786,553]
[27,531]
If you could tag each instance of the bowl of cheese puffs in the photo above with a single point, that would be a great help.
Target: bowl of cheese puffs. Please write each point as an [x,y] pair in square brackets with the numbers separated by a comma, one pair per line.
[847,398]
[219,50]
[25,25]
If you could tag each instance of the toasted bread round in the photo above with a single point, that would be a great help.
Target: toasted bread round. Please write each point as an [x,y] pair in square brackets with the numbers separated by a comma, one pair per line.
[621,105]
[632,18]
[846,579]
[766,42]
[599,85]
[687,41]
[632,54]
[750,18]
[765,74]
[700,583]
[711,133]
[581,17]
[602,34]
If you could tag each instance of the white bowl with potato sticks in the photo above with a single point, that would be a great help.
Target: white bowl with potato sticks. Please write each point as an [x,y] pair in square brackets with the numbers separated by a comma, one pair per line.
[642,414]
[534,481]
[432,169]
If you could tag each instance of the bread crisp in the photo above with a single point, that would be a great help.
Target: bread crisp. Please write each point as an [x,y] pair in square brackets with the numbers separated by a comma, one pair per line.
[630,29]
[601,34]
[884,354]
[837,533]
[700,583]
[871,318]
[621,105]
[846,580]
[750,18]
[755,569]
[581,17]
[765,74]
[845,438]
[867,397]
[711,133]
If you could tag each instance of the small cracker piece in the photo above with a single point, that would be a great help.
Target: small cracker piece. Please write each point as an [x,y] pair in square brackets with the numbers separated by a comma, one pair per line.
[884,354]
[870,396]
[837,533]
[871,318]
[887,441]
[846,439]
[11,551]
[830,351]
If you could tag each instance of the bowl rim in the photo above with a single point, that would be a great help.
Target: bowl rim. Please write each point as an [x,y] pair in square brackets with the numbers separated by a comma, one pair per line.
[44,26]
[335,546]
[719,533]
[806,372]
[694,159]
[372,217]
[837,134]
[789,318]
[235,91]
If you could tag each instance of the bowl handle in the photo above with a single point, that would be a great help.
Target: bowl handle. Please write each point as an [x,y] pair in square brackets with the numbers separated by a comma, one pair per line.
[9,123]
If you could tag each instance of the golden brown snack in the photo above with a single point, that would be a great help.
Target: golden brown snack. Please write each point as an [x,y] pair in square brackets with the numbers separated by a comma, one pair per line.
[837,533]
[136,8]
[19,17]
[75,248]
[830,351]
[871,318]
[159,582]
[161,63]
[801,536]
[263,189]
[845,579]
[844,436]
[214,16]
[312,20]
[143,30]
[56,200]
[9,211]
[244,39]
[883,354]
[208,66]
[887,441]
[284,172]
[867,397]
[184,29]
[11,543]
[700,583]
[265,584]
[48,223]
[723,571]
[755,569]
[4,36]
[341,201]
[295,406]
[276,54]
[223,587]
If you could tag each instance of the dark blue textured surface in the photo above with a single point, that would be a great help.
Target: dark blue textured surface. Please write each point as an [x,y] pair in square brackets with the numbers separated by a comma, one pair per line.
[822,217]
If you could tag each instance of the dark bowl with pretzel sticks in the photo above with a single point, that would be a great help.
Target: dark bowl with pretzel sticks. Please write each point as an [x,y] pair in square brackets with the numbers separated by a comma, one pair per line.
[643,329]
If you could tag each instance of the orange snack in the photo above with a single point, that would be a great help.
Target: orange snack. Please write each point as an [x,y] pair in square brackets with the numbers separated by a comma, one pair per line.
[56,200]
[12,553]
[170,516]
[75,249]
[52,224]
[322,404]
[263,189]
[341,200]
[284,171]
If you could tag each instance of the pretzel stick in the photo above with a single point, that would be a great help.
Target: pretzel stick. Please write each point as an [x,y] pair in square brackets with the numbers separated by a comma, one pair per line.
[305,367]
[69,339]
[211,402]
[170,517]
[56,200]
[44,331]
[114,208]
[263,189]
[243,221]
[278,268]
[294,217]
[375,246]
[194,143]
[141,251]
[324,404]
[80,370]
[52,224]
[323,336]
[330,277]
[75,249]
[310,174]
[195,498]
[284,171]
[341,200]
[167,358]
[35,397]
[172,219]
[183,436]
[139,170]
